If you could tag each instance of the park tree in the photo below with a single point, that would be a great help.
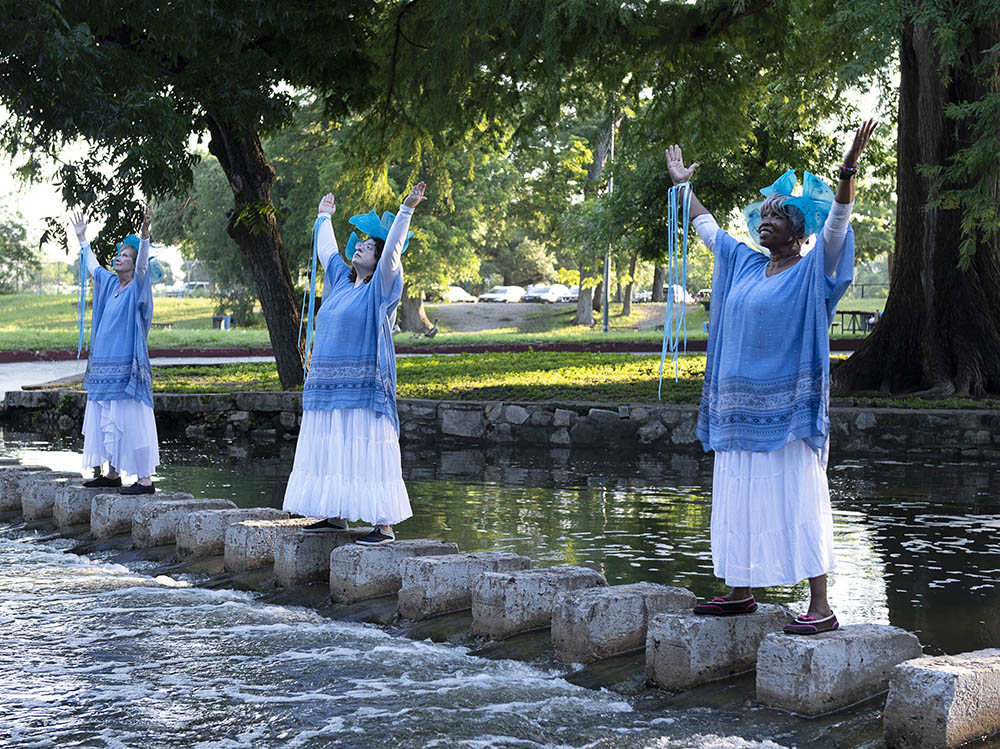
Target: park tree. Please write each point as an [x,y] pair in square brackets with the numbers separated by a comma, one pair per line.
[139,82]
[18,261]
[940,332]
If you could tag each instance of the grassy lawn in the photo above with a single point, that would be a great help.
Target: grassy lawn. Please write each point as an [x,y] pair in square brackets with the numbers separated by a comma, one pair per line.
[48,321]
[32,321]
[539,376]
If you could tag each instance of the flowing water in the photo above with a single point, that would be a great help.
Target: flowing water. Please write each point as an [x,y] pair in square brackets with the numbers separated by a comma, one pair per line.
[113,650]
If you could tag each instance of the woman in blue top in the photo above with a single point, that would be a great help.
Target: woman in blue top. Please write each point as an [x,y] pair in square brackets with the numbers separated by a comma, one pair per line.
[765,403]
[347,463]
[118,424]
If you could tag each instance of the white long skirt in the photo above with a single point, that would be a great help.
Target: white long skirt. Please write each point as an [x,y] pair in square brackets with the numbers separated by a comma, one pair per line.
[123,433]
[771,517]
[347,465]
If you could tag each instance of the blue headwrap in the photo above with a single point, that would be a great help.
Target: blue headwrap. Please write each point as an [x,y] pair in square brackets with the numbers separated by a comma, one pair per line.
[370,224]
[814,202]
[155,270]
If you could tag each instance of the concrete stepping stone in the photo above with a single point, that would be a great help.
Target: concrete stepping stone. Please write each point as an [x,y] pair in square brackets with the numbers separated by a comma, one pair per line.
[305,557]
[10,492]
[443,584]
[505,603]
[358,573]
[72,503]
[155,523]
[596,623]
[111,514]
[203,533]
[815,674]
[38,492]
[250,543]
[684,649]
[4,462]
[943,701]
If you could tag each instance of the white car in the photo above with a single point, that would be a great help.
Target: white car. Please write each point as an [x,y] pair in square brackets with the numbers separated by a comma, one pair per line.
[551,294]
[457,294]
[503,294]
[677,294]
[572,295]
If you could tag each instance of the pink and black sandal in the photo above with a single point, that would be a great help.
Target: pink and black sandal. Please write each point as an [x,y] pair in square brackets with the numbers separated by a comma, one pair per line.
[807,625]
[720,606]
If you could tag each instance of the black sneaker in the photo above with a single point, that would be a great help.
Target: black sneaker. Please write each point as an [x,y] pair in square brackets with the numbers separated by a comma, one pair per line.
[138,488]
[103,481]
[327,525]
[376,538]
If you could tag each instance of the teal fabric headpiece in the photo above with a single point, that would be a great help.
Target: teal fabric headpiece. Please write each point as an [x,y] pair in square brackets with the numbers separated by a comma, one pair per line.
[370,224]
[814,202]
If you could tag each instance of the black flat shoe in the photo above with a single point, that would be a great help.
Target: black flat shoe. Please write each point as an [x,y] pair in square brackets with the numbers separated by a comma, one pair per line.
[720,606]
[327,525]
[103,481]
[138,488]
[376,538]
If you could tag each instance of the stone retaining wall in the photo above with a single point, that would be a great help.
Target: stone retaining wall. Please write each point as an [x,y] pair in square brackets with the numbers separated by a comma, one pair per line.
[275,417]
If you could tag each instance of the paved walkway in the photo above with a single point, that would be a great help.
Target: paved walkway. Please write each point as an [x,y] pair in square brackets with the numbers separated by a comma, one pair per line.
[16,375]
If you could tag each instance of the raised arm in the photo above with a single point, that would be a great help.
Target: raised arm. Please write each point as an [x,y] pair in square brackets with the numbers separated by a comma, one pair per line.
[86,254]
[835,228]
[142,256]
[326,242]
[390,265]
[704,223]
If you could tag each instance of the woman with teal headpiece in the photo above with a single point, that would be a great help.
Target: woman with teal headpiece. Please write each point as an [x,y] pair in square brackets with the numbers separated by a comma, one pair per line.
[765,402]
[118,424]
[347,462]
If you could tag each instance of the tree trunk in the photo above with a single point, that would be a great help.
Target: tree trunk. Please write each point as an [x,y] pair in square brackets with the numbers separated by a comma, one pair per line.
[585,307]
[598,296]
[659,278]
[414,316]
[940,332]
[627,303]
[254,228]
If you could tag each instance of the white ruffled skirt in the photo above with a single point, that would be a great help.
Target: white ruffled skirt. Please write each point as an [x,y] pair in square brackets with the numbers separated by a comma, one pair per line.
[771,517]
[347,465]
[123,433]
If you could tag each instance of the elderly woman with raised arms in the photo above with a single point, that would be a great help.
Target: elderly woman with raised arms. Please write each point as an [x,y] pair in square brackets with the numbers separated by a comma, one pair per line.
[347,462]
[765,403]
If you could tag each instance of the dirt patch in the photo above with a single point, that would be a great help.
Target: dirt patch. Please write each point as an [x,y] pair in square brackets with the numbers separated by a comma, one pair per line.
[523,317]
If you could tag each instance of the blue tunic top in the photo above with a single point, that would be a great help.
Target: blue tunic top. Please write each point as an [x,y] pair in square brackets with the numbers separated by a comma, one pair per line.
[353,363]
[767,375]
[118,365]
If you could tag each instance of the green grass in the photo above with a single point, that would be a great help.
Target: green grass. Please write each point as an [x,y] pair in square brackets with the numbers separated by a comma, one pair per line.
[48,321]
[532,376]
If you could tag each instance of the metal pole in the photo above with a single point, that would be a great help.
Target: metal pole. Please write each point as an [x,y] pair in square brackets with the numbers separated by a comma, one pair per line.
[607,255]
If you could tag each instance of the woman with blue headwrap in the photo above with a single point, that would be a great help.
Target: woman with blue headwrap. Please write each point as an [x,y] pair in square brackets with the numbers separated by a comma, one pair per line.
[765,402]
[347,463]
[118,424]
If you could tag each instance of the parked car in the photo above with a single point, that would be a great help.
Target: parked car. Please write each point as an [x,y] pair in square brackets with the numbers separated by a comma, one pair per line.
[703,295]
[503,294]
[642,296]
[572,295]
[457,294]
[542,293]
[677,294]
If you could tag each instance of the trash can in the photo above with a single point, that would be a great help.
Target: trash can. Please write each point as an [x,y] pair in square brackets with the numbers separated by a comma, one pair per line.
[222,322]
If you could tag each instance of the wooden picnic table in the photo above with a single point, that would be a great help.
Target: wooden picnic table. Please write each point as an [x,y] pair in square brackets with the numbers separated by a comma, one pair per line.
[856,321]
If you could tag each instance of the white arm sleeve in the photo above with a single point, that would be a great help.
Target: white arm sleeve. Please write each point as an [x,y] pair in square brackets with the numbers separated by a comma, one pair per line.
[390,265]
[706,226]
[90,257]
[142,257]
[326,242]
[834,232]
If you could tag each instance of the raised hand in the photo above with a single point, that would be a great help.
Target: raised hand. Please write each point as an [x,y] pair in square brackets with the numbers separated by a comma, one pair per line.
[80,226]
[861,138]
[416,195]
[675,165]
[327,204]
[147,219]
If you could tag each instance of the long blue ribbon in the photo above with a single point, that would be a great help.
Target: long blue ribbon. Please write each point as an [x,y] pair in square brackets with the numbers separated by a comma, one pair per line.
[81,313]
[675,330]
[312,295]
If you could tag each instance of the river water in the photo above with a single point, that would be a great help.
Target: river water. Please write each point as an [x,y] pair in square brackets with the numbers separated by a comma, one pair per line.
[108,650]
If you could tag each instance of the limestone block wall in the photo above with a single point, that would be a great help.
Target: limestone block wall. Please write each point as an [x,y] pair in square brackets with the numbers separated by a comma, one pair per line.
[274,417]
